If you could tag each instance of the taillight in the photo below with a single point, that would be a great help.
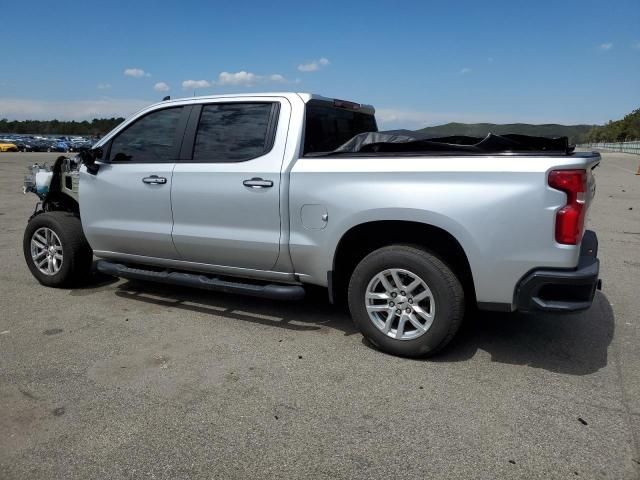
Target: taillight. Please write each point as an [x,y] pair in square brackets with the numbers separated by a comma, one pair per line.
[570,218]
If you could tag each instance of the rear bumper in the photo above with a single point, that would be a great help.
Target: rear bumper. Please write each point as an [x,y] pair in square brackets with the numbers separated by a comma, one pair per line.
[562,290]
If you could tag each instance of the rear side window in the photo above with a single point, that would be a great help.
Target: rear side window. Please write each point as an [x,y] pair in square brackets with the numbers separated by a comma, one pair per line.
[327,126]
[234,132]
[150,139]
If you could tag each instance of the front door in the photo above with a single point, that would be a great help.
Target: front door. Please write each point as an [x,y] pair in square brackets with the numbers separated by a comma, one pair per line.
[226,190]
[126,207]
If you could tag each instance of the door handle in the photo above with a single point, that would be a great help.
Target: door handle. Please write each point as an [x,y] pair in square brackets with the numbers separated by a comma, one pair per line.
[155,180]
[257,182]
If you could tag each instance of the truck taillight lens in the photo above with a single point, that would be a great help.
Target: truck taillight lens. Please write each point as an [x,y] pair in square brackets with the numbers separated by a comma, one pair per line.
[570,218]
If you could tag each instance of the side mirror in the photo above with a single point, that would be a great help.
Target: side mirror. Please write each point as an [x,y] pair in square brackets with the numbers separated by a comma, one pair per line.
[89,158]
[97,152]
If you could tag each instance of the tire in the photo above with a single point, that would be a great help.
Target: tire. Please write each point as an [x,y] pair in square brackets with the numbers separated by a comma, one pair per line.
[438,308]
[67,240]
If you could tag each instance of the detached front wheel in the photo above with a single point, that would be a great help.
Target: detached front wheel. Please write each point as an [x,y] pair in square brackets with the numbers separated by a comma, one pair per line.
[406,301]
[56,250]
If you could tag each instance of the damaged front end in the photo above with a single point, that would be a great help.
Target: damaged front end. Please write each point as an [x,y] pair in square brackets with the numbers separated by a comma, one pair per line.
[38,180]
[56,186]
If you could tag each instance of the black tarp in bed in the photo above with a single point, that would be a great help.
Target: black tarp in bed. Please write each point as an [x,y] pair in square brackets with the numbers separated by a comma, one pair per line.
[407,141]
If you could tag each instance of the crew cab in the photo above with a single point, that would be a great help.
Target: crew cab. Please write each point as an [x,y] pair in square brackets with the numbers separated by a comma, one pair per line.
[263,194]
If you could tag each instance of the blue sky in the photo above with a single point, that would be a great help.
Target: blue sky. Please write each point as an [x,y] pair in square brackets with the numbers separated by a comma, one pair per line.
[419,63]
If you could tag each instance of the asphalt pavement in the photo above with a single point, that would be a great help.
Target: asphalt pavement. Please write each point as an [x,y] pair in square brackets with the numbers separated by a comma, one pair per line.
[130,380]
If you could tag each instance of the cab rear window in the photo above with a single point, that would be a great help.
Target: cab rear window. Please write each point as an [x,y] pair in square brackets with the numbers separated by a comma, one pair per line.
[328,126]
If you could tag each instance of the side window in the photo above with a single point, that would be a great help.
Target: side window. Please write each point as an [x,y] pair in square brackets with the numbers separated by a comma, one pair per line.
[233,132]
[151,139]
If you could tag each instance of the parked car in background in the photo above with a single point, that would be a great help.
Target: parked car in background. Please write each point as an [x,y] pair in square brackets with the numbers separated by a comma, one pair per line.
[8,147]
[80,146]
[23,146]
[58,146]
[38,145]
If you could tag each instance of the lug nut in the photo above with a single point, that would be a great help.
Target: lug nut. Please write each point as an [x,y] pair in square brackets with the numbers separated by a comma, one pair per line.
[403,293]
[408,310]
[398,311]
[411,300]
[394,294]
[391,304]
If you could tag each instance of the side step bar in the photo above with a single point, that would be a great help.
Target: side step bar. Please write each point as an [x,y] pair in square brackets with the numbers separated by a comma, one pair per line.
[206,282]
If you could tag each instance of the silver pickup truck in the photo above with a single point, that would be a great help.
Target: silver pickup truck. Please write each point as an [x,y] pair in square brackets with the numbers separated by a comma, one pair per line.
[262,194]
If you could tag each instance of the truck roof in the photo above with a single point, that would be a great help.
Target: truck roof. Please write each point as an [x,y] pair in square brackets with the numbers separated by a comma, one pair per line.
[305,96]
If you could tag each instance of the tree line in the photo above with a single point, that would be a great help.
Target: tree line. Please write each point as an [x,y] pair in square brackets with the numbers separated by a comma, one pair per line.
[622,130]
[96,127]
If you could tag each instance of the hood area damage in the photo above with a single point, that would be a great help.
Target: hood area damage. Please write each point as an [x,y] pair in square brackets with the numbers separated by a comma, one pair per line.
[56,186]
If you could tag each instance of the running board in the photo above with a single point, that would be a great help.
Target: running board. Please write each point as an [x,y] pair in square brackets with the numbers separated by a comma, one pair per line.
[206,282]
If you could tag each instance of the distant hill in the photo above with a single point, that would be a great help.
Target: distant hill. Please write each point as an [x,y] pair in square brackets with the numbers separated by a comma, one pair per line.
[576,133]
[622,130]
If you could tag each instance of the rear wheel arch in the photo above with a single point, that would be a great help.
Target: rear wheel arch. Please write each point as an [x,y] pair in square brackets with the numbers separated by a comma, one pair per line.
[362,239]
[406,301]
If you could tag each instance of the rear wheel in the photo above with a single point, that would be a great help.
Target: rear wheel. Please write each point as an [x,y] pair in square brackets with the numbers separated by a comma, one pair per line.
[406,301]
[56,250]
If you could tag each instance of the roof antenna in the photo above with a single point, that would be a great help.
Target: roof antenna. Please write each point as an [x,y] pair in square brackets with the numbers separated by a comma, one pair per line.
[168,97]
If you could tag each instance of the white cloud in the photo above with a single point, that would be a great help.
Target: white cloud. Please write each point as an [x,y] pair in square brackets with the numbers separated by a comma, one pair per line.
[30,109]
[103,86]
[235,79]
[161,87]
[194,84]
[246,79]
[314,65]
[277,78]
[136,73]
[605,46]
[465,70]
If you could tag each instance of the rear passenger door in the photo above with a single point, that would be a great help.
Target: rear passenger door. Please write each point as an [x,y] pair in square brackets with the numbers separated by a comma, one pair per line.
[226,188]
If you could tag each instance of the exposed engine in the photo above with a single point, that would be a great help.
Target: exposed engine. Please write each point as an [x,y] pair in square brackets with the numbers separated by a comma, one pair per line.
[38,180]
[61,178]
[56,186]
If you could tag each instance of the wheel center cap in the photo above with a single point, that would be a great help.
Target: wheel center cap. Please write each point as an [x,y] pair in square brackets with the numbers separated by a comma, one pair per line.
[401,301]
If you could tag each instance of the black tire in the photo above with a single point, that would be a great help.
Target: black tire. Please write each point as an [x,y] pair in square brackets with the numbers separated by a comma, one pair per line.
[77,255]
[445,287]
